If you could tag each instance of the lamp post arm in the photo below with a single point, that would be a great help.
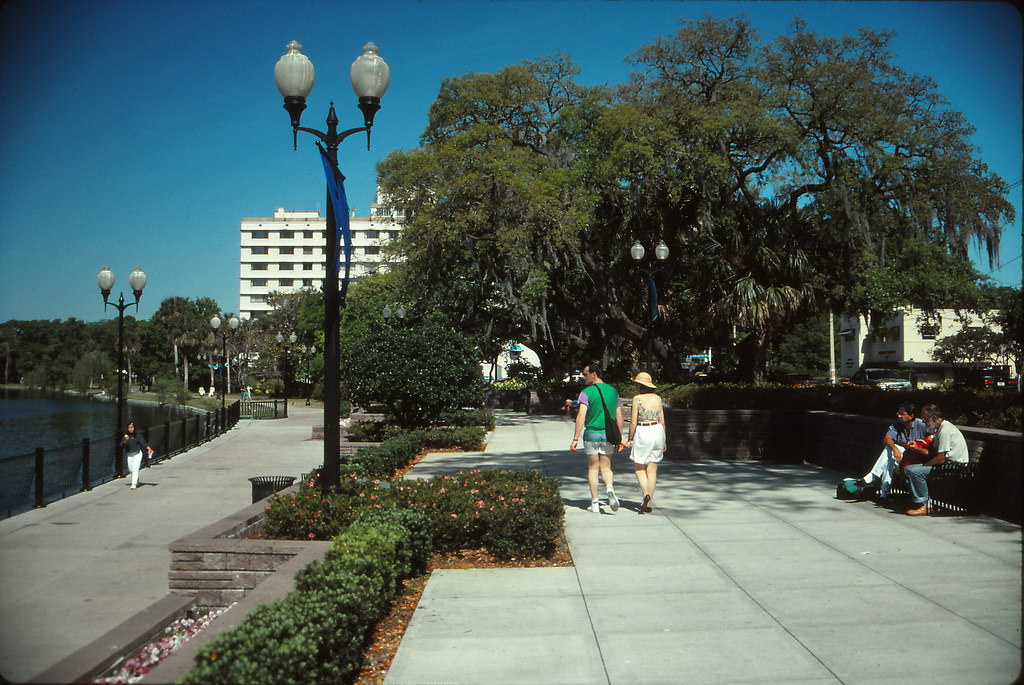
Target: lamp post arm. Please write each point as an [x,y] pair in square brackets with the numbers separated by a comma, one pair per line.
[326,138]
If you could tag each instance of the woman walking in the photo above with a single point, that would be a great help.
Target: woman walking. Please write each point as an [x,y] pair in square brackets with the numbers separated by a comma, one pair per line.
[133,443]
[646,436]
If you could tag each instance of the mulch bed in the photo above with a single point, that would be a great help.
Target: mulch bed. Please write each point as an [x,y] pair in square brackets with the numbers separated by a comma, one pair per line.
[387,636]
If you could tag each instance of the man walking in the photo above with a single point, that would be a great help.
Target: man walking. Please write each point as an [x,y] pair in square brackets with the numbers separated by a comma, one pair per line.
[597,401]
[949,445]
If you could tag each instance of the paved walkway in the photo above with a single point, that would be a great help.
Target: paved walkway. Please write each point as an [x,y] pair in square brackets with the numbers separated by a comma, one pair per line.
[744,573]
[80,567]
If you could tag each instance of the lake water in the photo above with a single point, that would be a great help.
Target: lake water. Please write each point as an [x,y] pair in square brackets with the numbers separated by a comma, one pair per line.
[30,419]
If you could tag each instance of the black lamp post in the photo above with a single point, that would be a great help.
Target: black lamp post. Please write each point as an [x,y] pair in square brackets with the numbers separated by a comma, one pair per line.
[215,323]
[280,339]
[137,281]
[649,268]
[309,352]
[370,78]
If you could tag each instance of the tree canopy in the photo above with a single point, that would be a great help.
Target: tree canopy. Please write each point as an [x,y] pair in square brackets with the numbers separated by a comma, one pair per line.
[800,175]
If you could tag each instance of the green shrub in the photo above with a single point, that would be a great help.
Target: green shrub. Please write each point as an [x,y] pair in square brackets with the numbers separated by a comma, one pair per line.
[448,437]
[372,431]
[318,633]
[977,408]
[420,525]
[416,372]
[309,515]
[512,513]
[468,417]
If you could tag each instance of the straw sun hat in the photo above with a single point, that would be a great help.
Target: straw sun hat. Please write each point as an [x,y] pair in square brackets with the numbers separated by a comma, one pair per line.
[644,378]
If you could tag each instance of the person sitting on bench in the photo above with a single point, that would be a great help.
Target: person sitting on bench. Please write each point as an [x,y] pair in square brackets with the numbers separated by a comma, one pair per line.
[906,440]
[949,444]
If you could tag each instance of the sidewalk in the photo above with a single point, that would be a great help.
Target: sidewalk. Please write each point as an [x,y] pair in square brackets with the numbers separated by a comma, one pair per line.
[745,572]
[79,567]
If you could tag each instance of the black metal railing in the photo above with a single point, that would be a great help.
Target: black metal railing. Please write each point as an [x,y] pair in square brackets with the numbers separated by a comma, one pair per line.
[264,409]
[47,475]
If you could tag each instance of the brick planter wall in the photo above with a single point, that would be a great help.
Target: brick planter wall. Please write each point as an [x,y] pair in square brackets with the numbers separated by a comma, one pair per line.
[218,564]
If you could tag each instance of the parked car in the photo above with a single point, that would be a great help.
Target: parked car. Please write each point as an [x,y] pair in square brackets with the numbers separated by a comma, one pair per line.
[801,380]
[990,377]
[883,379]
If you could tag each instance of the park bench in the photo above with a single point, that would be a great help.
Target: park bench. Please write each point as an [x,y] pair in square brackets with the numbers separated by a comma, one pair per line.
[952,487]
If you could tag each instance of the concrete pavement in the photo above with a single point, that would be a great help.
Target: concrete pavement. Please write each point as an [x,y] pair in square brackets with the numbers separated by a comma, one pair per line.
[81,566]
[745,572]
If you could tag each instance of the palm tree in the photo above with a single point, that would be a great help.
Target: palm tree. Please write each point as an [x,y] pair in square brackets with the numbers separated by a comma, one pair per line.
[755,275]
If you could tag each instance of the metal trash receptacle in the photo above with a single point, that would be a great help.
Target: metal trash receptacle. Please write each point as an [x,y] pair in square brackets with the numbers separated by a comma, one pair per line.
[265,486]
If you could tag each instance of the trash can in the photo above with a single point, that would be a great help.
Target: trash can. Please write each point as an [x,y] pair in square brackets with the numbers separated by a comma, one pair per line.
[265,486]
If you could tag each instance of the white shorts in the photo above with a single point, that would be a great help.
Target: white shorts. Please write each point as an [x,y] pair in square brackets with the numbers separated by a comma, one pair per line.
[648,444]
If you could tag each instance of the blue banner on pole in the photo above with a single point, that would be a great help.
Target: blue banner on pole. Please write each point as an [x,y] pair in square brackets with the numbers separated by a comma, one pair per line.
[336,193]
[652,299]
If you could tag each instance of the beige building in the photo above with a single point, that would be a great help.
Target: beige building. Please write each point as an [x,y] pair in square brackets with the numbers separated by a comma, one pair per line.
[285,253]
[907,341]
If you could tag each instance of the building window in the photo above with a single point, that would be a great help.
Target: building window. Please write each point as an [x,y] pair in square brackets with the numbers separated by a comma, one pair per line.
[258,282]
[258,299]
[308,235]
[285,282]
[287,235]
[259,250]
[307,250]
[287,250]
[259,267]
[371,250]
[307,267]
[284,266]
[259,235]
[373,234]
[307,283]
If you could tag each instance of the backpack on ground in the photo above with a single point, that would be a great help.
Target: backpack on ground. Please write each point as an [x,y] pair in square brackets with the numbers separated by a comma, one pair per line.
[848,488]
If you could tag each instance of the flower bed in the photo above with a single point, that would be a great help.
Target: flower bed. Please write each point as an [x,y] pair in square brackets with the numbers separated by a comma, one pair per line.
[174,635]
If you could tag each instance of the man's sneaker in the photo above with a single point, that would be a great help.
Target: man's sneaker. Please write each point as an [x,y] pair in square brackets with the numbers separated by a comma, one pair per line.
[613,501]
[595,507]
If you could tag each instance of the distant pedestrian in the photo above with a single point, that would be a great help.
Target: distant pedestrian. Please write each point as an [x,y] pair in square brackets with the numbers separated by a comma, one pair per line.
[202,391]
[597,401]
[133,443]
[646,436]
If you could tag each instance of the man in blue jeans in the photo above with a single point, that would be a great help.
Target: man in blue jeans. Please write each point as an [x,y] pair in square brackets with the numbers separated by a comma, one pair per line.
[949,444]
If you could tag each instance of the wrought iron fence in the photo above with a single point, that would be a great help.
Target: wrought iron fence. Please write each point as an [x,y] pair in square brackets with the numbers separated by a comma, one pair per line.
[264,409]
[47,475]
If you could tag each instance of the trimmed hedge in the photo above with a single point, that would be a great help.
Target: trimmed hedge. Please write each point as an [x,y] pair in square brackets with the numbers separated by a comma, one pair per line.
[978,408]
[318,633]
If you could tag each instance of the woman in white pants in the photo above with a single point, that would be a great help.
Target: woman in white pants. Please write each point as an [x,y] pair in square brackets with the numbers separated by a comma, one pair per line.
[646,437]
[133,443]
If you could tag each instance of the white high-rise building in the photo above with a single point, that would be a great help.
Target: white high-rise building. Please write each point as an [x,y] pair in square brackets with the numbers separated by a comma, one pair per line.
[285,253]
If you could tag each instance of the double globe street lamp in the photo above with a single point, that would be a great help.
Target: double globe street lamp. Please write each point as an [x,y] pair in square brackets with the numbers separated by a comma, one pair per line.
[649,268]
[370,77]
[137,281]
[233,324]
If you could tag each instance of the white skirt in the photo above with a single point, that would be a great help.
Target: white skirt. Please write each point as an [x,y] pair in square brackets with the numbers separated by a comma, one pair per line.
[648,444]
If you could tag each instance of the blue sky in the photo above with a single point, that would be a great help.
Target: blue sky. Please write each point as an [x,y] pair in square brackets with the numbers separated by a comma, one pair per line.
[141,132]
